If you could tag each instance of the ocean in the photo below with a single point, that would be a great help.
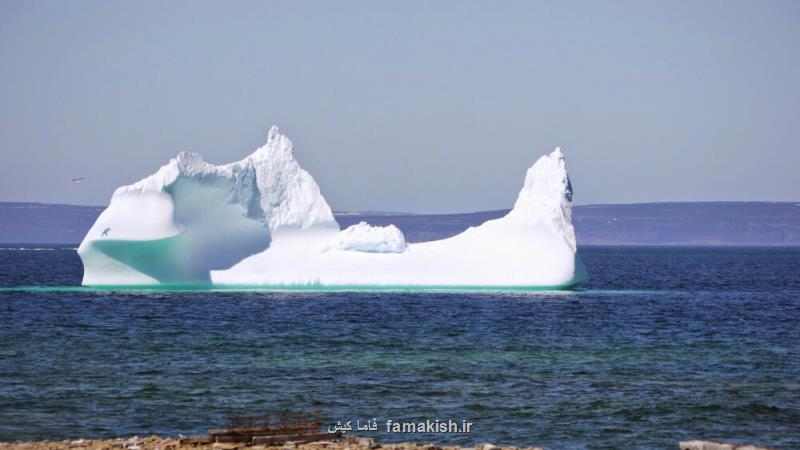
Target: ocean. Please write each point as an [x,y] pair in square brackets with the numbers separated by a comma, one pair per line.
[661,345]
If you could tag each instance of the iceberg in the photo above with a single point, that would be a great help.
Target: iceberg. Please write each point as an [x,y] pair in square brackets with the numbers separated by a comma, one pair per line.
[262,221]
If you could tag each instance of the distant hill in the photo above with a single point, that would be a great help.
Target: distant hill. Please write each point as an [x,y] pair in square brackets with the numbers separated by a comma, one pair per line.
[45,223]
[665,224]
[702,223]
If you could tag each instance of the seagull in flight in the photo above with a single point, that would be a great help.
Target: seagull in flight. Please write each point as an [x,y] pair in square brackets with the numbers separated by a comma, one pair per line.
[78,179]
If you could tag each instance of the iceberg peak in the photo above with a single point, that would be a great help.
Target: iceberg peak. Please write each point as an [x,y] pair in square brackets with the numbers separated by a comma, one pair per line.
[289,195]
[274,131]
[277,148]
[269,183]
[546,196]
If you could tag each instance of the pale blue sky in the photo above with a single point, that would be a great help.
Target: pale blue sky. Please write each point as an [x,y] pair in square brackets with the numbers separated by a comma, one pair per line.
[407,106]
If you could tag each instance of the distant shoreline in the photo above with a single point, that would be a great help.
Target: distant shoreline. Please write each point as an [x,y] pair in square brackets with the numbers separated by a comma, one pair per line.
[667,224]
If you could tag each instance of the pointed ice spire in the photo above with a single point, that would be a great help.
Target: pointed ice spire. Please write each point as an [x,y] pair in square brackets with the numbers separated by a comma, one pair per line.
[546,196]
[273,133]
[288,195]
[278,145]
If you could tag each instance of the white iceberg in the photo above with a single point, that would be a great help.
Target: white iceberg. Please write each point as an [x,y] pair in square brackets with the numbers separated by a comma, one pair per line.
[262,221]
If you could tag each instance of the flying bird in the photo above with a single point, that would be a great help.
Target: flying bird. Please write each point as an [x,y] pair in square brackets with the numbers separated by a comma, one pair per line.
[78,179]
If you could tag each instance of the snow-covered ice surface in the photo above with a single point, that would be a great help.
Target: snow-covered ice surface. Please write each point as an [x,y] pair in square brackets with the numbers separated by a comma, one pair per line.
[364,237]
[262,221]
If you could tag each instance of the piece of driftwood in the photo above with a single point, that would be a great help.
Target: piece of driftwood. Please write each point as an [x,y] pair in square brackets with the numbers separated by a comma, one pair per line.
[232,438]
[196,440]
[298,438]
[299,427]
[279,430]
[257,436]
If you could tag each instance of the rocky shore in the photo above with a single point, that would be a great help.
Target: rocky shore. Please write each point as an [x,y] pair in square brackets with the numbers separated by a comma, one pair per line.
[158,443]
[351,443]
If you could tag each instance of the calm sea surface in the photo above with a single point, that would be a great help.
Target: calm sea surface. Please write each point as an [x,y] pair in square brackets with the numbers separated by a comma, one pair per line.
[661,345]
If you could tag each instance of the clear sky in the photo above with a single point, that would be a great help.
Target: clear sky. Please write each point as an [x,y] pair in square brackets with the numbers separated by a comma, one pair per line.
[407,106]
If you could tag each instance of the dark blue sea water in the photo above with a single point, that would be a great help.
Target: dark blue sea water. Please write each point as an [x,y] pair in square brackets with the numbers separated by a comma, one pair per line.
[661,345]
